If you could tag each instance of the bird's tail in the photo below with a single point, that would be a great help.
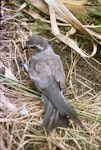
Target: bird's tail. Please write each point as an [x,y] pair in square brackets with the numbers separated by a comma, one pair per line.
[60,104]
[52,118]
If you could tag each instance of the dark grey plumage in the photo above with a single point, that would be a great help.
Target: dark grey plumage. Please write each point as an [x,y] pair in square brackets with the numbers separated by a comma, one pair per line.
[45,69]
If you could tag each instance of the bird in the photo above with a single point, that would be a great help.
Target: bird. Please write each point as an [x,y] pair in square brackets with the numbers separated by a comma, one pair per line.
[45,69]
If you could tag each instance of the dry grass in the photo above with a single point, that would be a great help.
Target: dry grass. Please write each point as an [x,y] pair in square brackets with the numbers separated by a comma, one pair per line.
[21,132]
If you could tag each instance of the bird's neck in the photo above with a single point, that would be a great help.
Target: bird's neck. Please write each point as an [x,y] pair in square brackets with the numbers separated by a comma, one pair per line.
[47,50]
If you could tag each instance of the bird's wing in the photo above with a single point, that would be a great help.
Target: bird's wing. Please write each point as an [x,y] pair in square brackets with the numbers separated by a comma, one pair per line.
[40,73]
[58,71]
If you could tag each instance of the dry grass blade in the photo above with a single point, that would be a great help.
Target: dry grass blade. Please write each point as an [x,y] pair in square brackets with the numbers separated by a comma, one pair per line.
[62,13]
[66,39]
[40,4]
[65,13]
[75,2]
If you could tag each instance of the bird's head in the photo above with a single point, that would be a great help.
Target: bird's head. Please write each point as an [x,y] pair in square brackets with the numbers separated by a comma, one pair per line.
[37,42]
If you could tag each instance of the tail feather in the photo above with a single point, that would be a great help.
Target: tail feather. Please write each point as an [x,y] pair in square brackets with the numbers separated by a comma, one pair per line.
[60,104]
[52,118]
[48,113]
